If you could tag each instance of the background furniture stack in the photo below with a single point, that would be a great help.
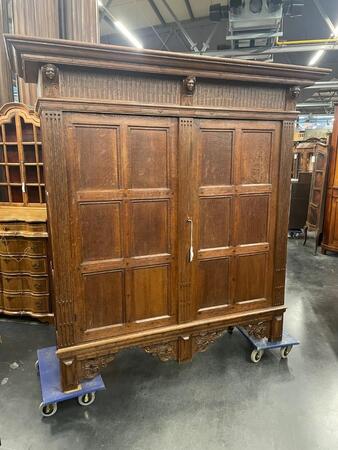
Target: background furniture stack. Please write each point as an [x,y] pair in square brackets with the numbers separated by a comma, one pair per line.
[318,192]
[24,282]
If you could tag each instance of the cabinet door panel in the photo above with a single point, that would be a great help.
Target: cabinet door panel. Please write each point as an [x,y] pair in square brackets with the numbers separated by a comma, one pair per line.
[234,201]
[124,208]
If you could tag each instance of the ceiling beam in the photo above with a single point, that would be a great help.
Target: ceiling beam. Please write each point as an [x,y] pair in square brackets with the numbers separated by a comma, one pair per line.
[157,12]
[193,45]
[189,9]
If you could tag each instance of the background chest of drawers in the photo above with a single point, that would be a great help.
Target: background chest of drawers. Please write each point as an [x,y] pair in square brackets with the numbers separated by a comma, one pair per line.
[24,281]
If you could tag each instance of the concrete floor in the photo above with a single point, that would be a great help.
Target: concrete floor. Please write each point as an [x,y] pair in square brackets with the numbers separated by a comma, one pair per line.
[219,401]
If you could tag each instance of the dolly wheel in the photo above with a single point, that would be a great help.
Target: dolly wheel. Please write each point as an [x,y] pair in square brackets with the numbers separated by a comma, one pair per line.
[230,330]
[86,399]
[48,410]
[256,355]
[284,351]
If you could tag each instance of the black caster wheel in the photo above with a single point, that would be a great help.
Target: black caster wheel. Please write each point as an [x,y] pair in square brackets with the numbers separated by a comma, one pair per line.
[48,410]
[86,399]
[230,330]
[284,351]
[256,355]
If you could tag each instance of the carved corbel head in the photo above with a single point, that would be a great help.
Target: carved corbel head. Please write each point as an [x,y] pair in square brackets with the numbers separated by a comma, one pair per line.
[189,84]
[50,72]
[294,91]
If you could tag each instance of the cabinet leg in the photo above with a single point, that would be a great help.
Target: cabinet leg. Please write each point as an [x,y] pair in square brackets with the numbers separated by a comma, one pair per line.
[69,375]
[276,331]
[305,235]
[323,251]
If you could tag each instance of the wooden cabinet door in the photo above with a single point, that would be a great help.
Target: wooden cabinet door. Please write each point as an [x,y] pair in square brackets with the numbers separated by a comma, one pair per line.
[123,174]
[234,192]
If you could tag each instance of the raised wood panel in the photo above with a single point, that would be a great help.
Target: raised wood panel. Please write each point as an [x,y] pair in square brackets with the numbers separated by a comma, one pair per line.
[148,158]
[104,294]
[214,222]
[255,157]
[150,293]
[253,218]
[213,283]
[99,166]
[216,157]
[250,275]
[101,231]
[149,225]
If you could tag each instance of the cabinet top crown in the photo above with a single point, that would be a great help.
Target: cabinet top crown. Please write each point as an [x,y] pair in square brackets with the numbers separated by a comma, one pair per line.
[28,54]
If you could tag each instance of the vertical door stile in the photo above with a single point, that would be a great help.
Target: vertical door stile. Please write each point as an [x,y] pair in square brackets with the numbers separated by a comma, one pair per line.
[185,211]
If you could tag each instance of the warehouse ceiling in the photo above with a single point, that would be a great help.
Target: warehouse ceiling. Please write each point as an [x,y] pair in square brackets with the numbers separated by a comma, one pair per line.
[185,26]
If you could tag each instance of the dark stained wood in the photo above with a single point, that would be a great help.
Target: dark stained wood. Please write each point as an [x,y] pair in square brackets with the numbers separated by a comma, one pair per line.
[330,227]
[171,221]
[80,20]
[31,19]
[315,214]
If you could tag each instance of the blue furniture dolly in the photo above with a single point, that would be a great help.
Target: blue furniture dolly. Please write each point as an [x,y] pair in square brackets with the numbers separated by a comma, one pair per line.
[48,369]
[260,345]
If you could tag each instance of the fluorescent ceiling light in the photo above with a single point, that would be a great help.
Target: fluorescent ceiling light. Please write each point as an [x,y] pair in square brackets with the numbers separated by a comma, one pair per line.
[119,25]
[128,34]
[316,57]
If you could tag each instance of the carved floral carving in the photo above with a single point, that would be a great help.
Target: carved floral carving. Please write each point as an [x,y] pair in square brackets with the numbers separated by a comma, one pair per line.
[203,340]
[259,330]
[165,351]
[189,84]
[91,367]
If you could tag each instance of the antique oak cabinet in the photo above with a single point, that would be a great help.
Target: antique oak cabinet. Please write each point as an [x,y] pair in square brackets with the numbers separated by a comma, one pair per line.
[168,179]
[330,230]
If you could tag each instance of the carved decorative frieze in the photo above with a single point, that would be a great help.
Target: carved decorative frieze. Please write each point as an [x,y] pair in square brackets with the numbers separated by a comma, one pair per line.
[165,351]
[203,340]
[259,330]
[91,367]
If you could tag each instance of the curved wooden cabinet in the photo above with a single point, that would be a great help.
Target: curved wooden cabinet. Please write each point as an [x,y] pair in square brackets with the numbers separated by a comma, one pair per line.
[330,231]
[168,178]
[24,284]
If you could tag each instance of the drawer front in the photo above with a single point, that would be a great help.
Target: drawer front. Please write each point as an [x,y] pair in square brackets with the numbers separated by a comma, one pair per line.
[9,264]
[25,283]
[27,302]
[34,265]
[27,265]
[38,285]
[21,246]
[12,283]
